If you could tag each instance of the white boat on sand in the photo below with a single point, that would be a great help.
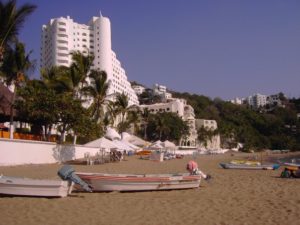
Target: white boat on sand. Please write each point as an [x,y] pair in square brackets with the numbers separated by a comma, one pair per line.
[249,166]
[34,187]
[18,186]
[139,182]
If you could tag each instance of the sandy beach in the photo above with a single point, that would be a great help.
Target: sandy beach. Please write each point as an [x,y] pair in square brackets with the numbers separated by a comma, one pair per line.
[232,197]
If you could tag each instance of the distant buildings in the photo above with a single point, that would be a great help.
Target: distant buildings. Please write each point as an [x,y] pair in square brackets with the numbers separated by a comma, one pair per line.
[237,101]
[209,125]
[61,36]
[160,90]
[186,113]
[138,89]
[258,101]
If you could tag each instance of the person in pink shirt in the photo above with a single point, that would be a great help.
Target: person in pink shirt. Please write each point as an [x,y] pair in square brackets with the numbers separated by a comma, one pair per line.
[192,167]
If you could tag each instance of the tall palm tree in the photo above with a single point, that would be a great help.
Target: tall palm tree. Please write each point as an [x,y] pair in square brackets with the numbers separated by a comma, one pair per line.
[97,90]
[145,118]
[161,126]
[15,67]
[57,78]
[121,107]
[11,20]
[134,118]
[79,70]
[75,78]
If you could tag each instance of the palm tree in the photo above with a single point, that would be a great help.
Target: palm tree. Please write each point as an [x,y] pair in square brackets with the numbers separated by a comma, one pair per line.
[134,118]
[15,67]
[97,90]
[121,104]
[79,71]
[121,107]
[57,78]
[161,126]
[11,20]
[145,117]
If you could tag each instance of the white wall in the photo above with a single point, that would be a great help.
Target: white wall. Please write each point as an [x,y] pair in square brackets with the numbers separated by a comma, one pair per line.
[18,152]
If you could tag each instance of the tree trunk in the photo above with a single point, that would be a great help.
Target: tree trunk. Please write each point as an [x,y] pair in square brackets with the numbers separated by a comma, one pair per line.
[49,133]
[145,132]
[62,136]
[1,55]
[74,139]
[11,123]
[45,133]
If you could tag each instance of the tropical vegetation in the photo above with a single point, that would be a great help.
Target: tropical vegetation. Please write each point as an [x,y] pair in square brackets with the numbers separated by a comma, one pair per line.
[277,128]
[74,100]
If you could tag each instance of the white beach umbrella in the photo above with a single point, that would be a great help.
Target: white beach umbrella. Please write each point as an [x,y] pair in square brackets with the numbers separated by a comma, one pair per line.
[156,145]
[157,142]
[122,145]
[169,145]
[137,141]
[101,142]
[130,145]
[112,134]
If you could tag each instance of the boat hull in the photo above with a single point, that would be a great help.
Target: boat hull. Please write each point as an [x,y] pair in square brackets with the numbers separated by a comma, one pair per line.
[34,187]
[129,182]
[249,167]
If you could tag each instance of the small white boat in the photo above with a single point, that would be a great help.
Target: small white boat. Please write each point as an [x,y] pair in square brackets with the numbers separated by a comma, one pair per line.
[139,182]
[18,186]
[34,187]
[250,167]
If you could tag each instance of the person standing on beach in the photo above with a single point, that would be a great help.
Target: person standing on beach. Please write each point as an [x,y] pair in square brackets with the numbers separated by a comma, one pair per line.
[192,167]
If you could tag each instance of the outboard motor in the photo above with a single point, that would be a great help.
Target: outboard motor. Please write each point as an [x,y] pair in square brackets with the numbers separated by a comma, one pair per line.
[68,173]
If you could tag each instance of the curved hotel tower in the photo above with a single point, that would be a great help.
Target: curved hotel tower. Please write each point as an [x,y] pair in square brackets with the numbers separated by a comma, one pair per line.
[61,36]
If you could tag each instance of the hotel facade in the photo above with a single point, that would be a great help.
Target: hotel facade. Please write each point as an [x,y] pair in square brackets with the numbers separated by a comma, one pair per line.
[61,36]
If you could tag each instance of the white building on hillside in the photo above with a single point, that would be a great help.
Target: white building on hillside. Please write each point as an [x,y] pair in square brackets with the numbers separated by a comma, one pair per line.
[237,101]
[184,111]
[161,91]
[274,100]
[257,100]
[209,125]
[61,36]
[138,89]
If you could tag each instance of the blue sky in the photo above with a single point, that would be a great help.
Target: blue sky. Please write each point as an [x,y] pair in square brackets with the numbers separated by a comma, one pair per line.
[216,48]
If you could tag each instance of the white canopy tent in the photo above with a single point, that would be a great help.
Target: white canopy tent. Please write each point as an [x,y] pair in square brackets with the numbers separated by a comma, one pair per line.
[101,142]
[122,145]
[156,145]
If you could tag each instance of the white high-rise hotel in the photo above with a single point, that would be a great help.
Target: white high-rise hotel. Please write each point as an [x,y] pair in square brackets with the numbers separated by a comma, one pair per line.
[62,36]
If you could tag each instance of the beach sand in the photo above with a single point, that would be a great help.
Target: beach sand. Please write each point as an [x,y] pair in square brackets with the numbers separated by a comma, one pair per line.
[232,197]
